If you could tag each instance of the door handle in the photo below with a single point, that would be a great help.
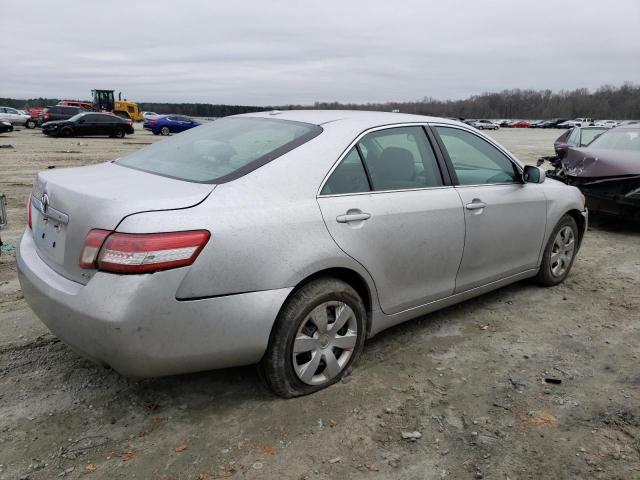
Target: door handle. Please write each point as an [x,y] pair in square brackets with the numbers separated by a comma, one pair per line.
[353,217]
[475,205]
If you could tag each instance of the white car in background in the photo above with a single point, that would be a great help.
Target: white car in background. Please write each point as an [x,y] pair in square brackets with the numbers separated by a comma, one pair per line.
[606,123]
[147,115]
[14,117]
[578,122]
[484,125]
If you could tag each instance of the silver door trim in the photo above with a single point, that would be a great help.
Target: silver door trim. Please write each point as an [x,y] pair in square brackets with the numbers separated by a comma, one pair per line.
[515,161]
[375,192]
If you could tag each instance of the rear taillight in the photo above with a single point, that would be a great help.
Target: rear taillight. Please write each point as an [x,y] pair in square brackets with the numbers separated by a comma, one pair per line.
[46,115]
[29,212]
[141,252]
[92,243]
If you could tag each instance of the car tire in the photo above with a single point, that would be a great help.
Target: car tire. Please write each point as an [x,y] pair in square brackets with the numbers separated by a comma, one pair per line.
[560,253]
[66,132]
[119,133]
[30,124]
[321,361]
[165,131]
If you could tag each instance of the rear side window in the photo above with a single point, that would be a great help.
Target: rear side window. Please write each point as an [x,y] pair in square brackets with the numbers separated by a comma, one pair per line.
[476,161]
[590,134]
[399,159]
[348,177]
[222,150]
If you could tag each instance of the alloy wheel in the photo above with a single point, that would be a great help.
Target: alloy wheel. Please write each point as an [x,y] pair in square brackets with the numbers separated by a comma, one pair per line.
[325,342]
[562,252]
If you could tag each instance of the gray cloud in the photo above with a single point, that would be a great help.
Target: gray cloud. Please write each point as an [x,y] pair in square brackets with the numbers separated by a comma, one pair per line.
[276,52]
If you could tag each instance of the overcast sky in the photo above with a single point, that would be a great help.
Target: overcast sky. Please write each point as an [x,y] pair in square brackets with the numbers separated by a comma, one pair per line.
[277,52]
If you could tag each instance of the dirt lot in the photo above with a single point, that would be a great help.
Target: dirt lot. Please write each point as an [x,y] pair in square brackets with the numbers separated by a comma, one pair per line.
[470,379]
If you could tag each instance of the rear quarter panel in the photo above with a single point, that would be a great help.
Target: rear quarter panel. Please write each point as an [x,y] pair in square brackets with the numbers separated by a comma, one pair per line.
[267,231]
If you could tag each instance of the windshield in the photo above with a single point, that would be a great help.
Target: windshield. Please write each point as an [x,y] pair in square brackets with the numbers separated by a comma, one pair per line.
[222,150]
[76,117]
[618,139]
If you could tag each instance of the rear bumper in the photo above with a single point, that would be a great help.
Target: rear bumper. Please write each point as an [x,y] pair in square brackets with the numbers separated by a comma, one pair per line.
[134,324]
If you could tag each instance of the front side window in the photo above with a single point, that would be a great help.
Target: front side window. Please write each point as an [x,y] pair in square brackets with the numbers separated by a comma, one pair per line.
[476,161]
[222,150]
[400,158]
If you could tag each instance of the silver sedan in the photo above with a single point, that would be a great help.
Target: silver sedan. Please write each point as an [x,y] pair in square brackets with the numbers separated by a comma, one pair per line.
[285,239]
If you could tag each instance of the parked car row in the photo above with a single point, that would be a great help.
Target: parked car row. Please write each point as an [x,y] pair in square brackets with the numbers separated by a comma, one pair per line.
[71,119]
[551,123]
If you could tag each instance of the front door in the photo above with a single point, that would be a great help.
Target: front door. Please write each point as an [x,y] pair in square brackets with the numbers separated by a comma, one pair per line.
[386,206]
[505,218]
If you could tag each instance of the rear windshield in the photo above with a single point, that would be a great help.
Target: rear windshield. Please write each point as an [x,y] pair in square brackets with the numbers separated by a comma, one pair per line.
[222,150]
[588,134]
[618,139]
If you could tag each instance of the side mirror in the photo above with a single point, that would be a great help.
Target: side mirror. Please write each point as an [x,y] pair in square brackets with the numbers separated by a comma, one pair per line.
[81,120]
[533,174]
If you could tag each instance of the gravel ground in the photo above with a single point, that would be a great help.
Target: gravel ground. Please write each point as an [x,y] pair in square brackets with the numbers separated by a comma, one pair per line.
[470,379]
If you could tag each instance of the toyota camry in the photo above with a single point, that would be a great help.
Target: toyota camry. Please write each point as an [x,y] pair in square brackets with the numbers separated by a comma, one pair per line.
[285,239]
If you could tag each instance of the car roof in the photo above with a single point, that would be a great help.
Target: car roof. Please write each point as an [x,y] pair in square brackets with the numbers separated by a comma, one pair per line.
[365,119]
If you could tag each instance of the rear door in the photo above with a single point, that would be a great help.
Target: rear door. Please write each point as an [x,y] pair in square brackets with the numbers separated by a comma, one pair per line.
[387,205]
[505,218]
[105,124]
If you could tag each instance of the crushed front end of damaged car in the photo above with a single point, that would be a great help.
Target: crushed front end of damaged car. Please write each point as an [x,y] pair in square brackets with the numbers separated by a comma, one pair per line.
[607,172]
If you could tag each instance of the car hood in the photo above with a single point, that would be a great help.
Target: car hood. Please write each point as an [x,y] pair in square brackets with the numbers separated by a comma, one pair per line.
[594,163]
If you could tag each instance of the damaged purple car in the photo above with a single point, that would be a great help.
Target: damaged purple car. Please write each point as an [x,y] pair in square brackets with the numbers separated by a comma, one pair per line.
[607,171]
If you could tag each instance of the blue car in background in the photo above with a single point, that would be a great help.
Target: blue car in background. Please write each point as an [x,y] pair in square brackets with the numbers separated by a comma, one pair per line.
[168,124]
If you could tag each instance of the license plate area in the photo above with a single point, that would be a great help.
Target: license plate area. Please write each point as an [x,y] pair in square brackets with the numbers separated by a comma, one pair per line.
[49,236]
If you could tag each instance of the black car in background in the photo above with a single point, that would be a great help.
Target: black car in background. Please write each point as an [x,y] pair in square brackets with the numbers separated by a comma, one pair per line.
[553,123]
[58,112]
[5,126]
[89,124]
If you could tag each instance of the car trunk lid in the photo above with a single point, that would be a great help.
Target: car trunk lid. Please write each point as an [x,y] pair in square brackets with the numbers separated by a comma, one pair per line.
[67,203]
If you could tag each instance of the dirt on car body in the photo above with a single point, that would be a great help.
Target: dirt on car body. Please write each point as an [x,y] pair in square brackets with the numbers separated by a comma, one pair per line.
[470,380]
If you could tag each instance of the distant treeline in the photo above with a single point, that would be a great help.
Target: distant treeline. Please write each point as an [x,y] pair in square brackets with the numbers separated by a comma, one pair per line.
[199,109]
[618,103]
[607,102]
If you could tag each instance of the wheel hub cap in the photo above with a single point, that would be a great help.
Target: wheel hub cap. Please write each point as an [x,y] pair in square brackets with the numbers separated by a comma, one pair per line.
[324,343]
